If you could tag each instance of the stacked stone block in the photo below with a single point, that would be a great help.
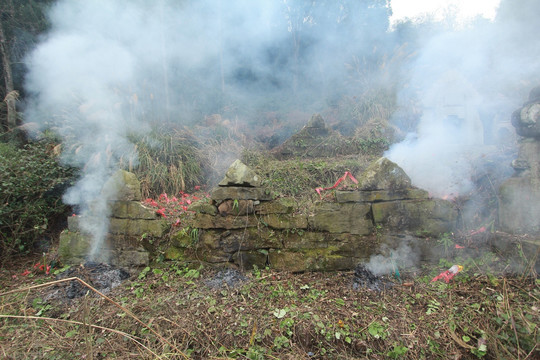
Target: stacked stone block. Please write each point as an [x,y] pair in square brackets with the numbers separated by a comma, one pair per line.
[130,222]
[244,226]
[519,196]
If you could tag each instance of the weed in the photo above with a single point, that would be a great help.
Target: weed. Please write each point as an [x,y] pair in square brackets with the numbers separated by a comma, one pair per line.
[397,351]
[378,330]
[447,242]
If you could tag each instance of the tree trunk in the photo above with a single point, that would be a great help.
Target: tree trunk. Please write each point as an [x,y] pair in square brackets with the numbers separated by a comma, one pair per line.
[11,94]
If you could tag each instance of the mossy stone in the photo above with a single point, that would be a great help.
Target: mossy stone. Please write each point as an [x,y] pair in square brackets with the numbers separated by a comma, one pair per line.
[429,217]
[342,218]
[380,195]
[131,210]
[285,221]
[174,253]
[137,227]
[122,185]
[203,207]
[285,205]
[73,247]
[205,221]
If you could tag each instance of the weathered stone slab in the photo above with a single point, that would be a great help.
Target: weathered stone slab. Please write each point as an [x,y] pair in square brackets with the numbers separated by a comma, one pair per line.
[239,193]
[184,239]
[203,207]
[240,240]
[353,246]
[124,242]
[132,210]
[428,217]
[384,174]
[359,247]
[137,227]
[519,206]
[205,221]
[528,160]
[174,253]
[309,260]
[278,206]
[213,256]
[304,240]
[283,260]
[342,218]
[285,221]
[74,223]
[380,195]
[239,174]
[251,239]
[73,247]
[122,185]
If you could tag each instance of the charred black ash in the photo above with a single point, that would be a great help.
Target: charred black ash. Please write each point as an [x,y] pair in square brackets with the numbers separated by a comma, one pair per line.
[102,277]
[364,278]
[230,278]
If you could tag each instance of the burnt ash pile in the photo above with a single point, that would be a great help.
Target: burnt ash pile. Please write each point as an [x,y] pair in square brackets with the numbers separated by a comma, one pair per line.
[102,277]
[229,278]
[364,278]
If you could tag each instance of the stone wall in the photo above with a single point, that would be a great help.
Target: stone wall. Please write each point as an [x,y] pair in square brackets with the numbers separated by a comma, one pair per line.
[244,226]
[519,196]
[130,221]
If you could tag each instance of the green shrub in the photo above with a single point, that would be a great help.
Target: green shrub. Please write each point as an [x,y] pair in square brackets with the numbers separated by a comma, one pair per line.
[31,186]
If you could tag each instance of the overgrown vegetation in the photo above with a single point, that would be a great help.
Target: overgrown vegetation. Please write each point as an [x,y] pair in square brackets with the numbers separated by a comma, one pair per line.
[169,161]
[31,185]
[168,311]
[299,177]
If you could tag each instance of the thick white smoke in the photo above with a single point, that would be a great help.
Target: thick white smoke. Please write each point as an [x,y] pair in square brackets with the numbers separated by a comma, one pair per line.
[391,259]
[109,69]
[468,80]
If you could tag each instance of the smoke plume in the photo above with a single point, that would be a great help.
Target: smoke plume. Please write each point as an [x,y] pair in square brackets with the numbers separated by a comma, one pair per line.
[392,258]
[467,81]
[108,70]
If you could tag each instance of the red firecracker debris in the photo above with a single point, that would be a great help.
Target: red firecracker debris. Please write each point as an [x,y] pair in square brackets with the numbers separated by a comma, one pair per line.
[319,190]
[447,275]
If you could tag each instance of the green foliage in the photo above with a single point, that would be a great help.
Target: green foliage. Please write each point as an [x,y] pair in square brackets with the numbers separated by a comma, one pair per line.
[378,330]
[31,185]
[397,352]
[169,161]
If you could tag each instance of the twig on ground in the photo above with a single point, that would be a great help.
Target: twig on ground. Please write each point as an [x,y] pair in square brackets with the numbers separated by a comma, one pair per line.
[106,298]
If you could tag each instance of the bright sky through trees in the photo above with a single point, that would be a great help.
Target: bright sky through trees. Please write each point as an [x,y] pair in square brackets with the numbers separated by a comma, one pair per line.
[438,9]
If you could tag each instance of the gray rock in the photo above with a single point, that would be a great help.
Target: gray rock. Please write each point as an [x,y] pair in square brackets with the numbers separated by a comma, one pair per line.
[240,174]
[527,120]
[122,185]
[384,174]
